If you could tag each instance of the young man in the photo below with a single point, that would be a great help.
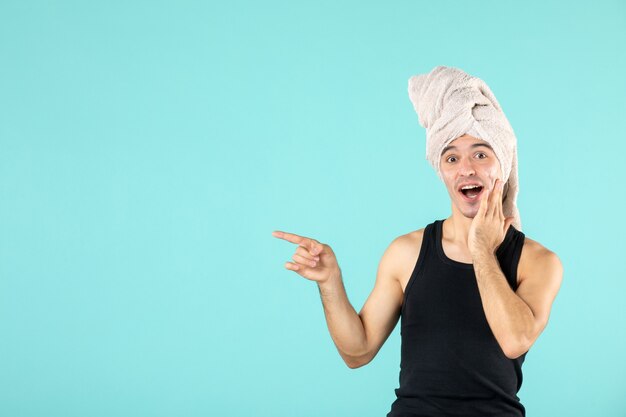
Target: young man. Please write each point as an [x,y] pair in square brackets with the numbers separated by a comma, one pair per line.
[473,292]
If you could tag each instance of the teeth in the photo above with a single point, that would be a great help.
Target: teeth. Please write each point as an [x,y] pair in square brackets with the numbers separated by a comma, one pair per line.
[468,187]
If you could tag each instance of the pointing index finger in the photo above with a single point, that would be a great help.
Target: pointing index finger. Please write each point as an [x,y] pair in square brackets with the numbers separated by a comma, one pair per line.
[294,238]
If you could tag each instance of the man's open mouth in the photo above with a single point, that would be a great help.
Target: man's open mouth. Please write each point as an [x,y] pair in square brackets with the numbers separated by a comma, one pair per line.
[471,192]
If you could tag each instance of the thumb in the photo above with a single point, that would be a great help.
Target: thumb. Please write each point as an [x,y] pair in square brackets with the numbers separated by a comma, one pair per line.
[316,247]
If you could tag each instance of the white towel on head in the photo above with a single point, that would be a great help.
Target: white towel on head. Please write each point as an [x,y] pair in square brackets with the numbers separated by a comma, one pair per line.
[451,103]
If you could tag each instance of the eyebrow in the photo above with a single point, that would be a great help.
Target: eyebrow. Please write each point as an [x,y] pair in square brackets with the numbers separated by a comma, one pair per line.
[486,145]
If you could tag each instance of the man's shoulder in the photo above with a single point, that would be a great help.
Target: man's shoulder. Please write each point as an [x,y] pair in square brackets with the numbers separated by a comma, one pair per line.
[536,257]
[401,255]
[405,248]
[408,241]
[535,250]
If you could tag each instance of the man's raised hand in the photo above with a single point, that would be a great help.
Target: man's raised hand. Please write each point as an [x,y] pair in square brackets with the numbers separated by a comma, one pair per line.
[489,226]
[313,260]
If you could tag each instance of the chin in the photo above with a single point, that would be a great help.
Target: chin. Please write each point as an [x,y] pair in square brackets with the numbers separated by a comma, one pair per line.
[469,213]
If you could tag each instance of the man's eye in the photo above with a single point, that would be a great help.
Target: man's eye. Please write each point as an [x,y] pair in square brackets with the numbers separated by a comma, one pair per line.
[448,158]
[481,153]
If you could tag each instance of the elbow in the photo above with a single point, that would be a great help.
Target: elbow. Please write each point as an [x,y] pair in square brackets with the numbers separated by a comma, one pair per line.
[354,365]
[514,353]
[517,349]
[517,346]
[354,362]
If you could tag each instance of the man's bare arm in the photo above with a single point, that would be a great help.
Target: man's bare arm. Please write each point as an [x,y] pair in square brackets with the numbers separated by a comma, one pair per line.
[517,318]
[508,316]
[358,337]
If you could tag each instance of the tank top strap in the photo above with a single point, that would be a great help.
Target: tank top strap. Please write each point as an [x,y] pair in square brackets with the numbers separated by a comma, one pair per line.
[428,245]
[429,239]
[509,253]
[426,255]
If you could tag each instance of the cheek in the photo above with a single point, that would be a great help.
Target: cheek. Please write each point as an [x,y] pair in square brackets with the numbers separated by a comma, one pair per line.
[451,189]
[447,182]
[493,174]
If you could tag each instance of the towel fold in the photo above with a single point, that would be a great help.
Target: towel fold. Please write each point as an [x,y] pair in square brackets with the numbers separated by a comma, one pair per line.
[451,103]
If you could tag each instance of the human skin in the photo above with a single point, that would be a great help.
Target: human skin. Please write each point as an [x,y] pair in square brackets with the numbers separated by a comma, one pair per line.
[471,234]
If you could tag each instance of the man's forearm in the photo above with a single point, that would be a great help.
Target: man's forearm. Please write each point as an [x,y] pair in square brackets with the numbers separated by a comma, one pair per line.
[510,318]
[344,324]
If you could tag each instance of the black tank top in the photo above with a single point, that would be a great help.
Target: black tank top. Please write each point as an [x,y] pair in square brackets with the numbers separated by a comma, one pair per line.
[451,363]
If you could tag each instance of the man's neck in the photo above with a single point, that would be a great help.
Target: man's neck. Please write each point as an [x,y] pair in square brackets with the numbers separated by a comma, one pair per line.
[456,229]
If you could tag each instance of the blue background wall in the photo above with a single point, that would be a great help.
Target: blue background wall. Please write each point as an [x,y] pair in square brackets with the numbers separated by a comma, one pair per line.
[148,150]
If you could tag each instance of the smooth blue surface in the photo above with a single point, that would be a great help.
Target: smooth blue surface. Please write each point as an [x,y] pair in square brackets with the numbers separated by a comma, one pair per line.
[149,149]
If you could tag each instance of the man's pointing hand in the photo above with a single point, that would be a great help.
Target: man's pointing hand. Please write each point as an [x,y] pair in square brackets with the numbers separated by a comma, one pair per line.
[313,260]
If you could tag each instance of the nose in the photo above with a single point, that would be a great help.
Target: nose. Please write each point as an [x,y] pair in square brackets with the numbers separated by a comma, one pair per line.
[466,167]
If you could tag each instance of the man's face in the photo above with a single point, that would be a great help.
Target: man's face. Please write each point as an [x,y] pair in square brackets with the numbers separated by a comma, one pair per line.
[468,160]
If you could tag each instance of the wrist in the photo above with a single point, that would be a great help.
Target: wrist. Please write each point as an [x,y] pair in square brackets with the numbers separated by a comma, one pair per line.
[483,254]
[332,280]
